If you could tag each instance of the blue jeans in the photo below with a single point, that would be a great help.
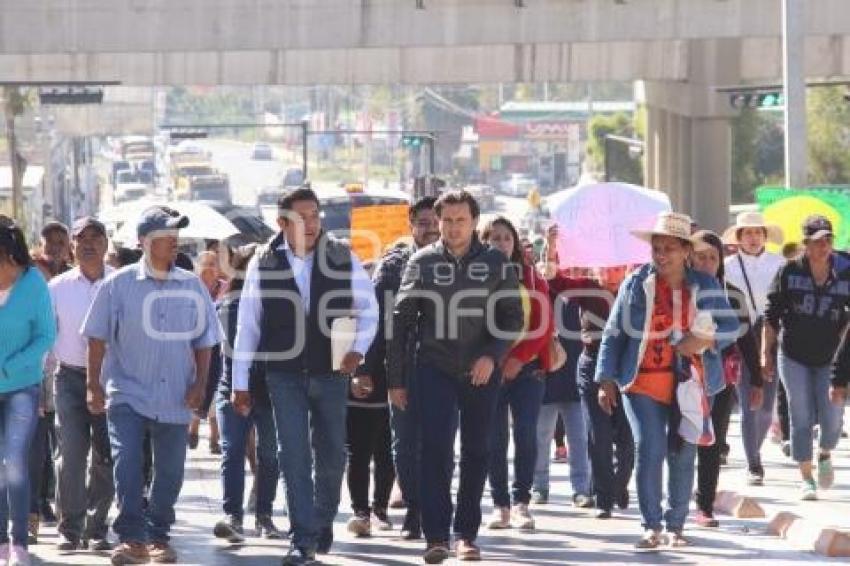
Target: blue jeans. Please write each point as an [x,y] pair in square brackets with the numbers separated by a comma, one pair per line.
[445,402]
[576,432]
[755,424]
[650,421]
[234,430]
[406,445]
[808,403]
[168,441]
[310,416]
[523,396]
[18,419]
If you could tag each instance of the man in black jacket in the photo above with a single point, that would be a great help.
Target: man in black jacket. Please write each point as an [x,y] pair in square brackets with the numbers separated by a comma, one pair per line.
[369,421]
[462,300]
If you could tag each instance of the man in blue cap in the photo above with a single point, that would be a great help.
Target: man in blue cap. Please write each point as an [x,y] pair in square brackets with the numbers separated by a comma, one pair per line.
[150,331]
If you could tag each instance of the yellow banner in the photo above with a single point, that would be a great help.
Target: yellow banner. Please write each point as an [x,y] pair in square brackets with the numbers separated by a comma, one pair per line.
[373,228]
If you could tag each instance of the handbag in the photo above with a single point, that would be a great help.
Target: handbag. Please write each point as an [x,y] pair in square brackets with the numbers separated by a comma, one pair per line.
[694,408]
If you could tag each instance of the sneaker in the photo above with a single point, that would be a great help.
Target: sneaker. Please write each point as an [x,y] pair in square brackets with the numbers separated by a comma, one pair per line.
[540,497]
[411,529]
[130,553]
[384,523]
[230,529]
[265,528]
[32,528]
[19,556]
[298,556]
[826,475]
[755,476]
[650,540]
[562,455]
[706,519]
[98,544]
[436,553]
[786,449]
[582,501]
[360,525]
[467,551]
[501,518]
[808,490]
[521,518]
[68,544]
[676,539]
[215,448]
[325,540]
[603,514]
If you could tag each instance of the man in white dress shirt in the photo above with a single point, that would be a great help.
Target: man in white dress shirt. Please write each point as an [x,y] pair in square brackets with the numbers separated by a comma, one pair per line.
[82,508]
[752,270]
[295,288]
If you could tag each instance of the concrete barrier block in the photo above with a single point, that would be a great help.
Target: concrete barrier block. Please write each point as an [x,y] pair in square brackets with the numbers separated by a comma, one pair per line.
[779,523]
[737,505]
[833,543]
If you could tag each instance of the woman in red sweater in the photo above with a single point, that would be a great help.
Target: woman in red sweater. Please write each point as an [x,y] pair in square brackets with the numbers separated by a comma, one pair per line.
[522,371]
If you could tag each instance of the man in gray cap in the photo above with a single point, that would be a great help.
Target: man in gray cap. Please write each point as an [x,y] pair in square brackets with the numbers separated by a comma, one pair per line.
[150,331]
[79,431]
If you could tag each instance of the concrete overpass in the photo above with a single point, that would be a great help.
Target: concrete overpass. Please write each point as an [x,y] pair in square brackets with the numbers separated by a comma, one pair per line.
[681,48]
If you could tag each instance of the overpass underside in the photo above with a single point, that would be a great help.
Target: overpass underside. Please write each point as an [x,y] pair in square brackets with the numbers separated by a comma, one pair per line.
[681,49]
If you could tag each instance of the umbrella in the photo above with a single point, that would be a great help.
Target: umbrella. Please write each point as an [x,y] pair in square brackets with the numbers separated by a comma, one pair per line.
[205,223]
[595,223]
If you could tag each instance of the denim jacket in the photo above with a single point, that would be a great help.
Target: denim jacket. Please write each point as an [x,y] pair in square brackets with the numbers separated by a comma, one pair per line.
[620,353]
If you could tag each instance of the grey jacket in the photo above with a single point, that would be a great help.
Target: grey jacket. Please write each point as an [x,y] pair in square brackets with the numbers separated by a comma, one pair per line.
[445,302]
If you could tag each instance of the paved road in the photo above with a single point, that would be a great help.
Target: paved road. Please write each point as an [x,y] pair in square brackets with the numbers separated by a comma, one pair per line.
[565,535]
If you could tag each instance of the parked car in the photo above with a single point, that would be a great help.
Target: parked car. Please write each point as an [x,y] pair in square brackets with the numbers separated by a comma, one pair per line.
[262,152]
[518,185]
[128,187]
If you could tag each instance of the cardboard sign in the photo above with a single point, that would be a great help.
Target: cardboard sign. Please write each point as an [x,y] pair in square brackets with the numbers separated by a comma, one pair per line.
[373,228]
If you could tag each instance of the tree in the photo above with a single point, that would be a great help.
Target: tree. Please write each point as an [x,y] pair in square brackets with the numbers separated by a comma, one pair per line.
[829,133]
[745,131]
[623,165]
[15,104]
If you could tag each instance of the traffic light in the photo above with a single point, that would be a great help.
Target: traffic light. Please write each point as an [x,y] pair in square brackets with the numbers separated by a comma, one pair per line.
[412,141]
[70,95]
[772,99]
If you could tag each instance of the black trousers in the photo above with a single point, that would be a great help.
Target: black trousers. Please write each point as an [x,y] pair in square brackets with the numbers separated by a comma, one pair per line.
[369,441]
[41,462]
[708,457]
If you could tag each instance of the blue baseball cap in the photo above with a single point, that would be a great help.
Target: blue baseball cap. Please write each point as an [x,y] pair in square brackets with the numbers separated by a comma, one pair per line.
[158,218]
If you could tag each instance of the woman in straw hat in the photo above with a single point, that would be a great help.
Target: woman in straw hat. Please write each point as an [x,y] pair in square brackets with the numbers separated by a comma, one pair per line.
[666,316]
[752,270]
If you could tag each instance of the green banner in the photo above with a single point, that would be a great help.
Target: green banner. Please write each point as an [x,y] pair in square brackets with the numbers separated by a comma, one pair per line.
[789,207]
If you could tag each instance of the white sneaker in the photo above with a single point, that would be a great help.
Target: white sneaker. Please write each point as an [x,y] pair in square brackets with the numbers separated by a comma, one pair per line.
[19,556]
[521,517]
[501,518]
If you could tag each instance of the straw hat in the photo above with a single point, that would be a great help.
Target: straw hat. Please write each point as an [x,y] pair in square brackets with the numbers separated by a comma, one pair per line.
[753,219]
[668,224]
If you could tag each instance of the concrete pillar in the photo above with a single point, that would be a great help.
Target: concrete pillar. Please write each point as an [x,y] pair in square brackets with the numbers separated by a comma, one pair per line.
[685,165]
[650,154]
[711,174]
[793,51]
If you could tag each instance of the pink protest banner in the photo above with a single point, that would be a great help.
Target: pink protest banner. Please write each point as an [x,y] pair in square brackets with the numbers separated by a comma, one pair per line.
[595,223]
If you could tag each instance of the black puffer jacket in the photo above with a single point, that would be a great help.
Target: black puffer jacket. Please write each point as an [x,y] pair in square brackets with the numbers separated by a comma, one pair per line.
[438,300]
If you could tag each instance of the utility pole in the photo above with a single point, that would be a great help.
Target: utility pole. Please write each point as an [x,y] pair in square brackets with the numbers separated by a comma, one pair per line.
[793,52]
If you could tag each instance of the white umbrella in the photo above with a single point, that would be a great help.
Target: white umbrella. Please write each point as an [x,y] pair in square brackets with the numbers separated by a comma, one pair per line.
[205,223]
[595,223]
